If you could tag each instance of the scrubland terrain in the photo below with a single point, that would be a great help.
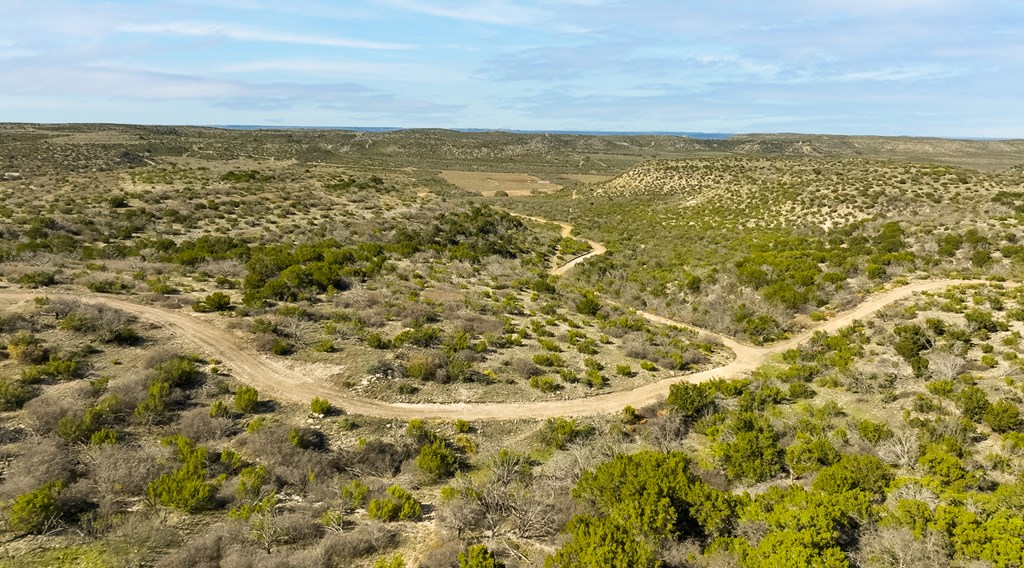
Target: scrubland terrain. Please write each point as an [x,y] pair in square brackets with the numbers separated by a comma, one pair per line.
[427,348]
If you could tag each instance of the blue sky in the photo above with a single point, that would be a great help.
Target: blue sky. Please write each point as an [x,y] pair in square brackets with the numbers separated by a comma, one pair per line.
[888,67]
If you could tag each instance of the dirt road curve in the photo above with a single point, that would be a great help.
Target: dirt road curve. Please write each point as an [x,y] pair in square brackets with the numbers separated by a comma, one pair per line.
[275,380]
[596,248]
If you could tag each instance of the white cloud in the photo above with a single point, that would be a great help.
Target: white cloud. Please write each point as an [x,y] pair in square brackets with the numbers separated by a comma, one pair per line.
[484,11]
[363,69]
[204,29]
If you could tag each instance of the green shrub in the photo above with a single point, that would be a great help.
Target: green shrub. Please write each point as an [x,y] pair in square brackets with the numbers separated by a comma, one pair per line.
[545,384]
[280,347]
[215,302]
[691,400]
[154,406]
[557,433]
[874,432]
[102,437]
[807,456]
[38,510]
[394,561]
[588,304]
[855,472]
[219,409]
[320,406]
[324,346]
[37,279]
[624,370]
[185,488]
[14,394]
[973,402]
[594,379]
[462,426]
[398,505]
[178,371]
[354,494]
[438,459]
[247,399]
[478,556]
[1003,416]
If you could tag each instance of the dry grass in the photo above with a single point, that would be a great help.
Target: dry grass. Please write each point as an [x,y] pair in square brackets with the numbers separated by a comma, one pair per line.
[490,183]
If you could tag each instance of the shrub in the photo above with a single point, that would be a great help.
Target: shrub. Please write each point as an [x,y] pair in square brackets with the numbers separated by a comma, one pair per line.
[557,433]
[215,302]
[324,346]
[854,472]
[806,456]
[24,347]
[624,370]
[478,556]
[247,399]
[185,488]
[874,432]
[395,561]
[320,406]
[594,379]
[1003,416]
[37,279]
[691,400]
[354,494]
[438,459]
[462,426]
[307,438]
[280,347]
[219,409]
[155,404]
[545,384]
[588,304]
[399,505]
[178,371]
[973,402]
[38,510]
[14,394]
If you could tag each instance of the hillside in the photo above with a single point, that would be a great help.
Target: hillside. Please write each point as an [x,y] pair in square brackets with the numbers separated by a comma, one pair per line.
[324,349]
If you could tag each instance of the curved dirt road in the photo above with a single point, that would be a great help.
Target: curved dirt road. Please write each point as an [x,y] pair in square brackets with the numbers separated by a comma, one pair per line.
[596,248]
[274,379]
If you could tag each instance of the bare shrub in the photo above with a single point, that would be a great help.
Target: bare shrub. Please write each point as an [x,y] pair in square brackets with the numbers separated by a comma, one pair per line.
[209,551]
[945,365]
[120,474]
[198,425]
[42,460]
[638,348]
[901,450]
[377,458]
[371,537]
[525,368]
[272,447]
[897,547]
[43,412]
[297,528]
[442,554]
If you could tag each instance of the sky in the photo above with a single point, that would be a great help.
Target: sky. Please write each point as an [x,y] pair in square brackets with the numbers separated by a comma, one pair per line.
[888,67]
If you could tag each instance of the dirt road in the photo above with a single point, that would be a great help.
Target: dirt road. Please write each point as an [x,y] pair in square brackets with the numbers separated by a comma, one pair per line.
[274,379]
[596,248]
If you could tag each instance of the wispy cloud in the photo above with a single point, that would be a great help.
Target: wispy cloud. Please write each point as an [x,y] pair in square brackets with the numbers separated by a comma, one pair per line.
[227,31]
[484,11]
[365,69]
